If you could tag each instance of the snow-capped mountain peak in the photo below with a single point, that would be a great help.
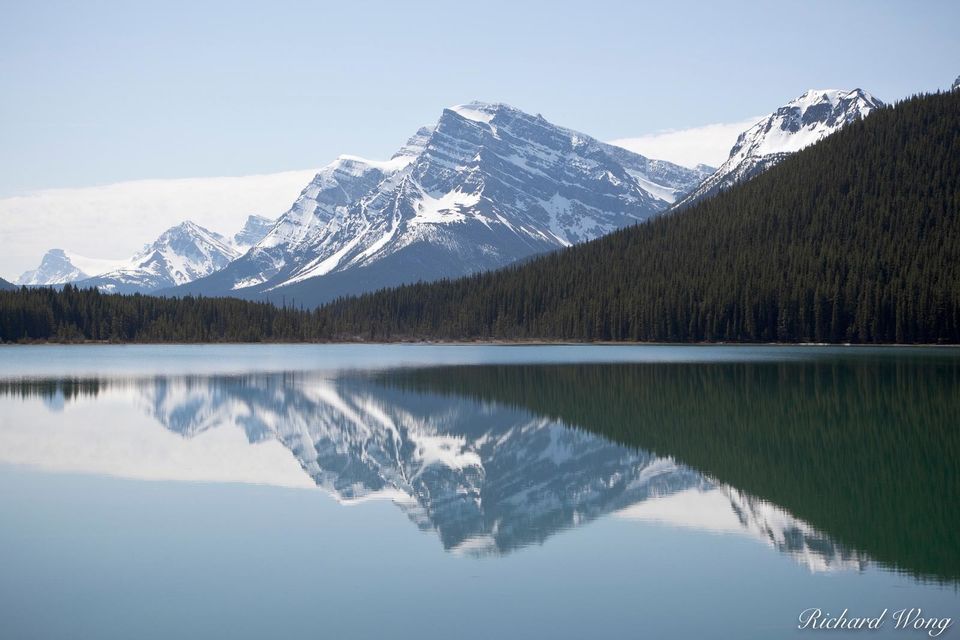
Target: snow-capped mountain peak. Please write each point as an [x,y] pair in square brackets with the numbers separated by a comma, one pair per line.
[55,268]
[60,267]
[794,126]
[186,252]
[181,254]
[804,121]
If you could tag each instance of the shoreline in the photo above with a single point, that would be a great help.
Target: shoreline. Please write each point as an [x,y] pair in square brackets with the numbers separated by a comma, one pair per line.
[481,343]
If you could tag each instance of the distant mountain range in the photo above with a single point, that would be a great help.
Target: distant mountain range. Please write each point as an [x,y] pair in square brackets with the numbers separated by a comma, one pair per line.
[59,266]
[181,254]
[485,186]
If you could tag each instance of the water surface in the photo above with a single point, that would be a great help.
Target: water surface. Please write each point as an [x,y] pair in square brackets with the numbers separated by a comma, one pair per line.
[470,491]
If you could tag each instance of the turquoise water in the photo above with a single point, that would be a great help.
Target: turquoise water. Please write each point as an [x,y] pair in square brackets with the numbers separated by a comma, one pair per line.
[474,491]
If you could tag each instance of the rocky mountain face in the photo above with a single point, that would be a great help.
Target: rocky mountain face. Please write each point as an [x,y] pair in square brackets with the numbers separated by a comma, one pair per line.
[485,186]
[794,126]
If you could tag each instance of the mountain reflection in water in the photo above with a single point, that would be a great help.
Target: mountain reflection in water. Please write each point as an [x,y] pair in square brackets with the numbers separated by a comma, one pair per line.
[496,458]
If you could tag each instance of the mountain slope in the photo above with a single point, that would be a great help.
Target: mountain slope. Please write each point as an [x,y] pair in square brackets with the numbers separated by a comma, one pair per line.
[7,286]
[485,186]
[855,239]
[794,126]
[181,254]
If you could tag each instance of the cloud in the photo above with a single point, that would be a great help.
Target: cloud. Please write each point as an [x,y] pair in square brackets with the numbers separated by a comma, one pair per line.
[709,144]
[114,221]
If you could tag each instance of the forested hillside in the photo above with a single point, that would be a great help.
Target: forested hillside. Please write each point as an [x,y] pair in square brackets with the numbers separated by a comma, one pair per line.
[855,239]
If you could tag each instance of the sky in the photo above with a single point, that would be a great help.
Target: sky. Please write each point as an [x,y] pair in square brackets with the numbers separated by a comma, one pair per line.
[99,93]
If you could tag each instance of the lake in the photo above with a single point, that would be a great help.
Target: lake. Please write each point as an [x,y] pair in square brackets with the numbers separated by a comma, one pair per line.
[477,491]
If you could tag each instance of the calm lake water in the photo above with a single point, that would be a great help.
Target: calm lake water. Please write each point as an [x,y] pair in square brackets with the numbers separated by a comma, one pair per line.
[475,491]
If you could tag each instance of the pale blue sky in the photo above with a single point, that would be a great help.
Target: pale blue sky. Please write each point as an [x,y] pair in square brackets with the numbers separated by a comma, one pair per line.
[99,92]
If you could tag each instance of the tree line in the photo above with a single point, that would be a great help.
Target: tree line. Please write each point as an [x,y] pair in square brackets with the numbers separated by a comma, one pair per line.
[78,315]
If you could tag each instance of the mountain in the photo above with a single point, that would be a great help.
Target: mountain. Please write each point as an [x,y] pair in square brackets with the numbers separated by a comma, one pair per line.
[7,286]
[794,126]
[485,186]
[853,239]
[59,267]
[181,254]
[253,231]
[956,84]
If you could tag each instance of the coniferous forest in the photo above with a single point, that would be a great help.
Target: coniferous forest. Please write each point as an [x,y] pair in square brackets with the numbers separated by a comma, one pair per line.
[855,239]
[78,315]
